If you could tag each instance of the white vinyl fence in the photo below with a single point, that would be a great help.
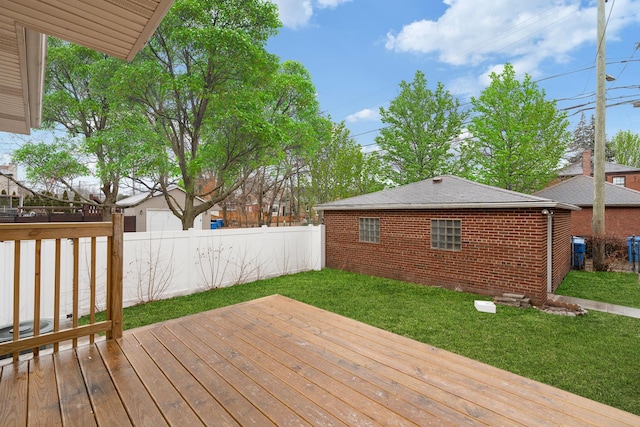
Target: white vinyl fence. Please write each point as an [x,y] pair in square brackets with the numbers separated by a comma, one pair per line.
[159,265]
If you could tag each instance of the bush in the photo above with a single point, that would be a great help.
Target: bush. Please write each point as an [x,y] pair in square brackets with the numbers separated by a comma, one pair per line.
[615,249]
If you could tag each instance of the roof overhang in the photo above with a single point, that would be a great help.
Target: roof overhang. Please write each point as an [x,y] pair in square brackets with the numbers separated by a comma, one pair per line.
[435,206]
[119,28]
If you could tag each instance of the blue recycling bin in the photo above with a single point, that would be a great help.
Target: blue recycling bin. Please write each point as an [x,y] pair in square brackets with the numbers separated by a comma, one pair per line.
[220,223]
[214,225]
[633,248]
[578,250]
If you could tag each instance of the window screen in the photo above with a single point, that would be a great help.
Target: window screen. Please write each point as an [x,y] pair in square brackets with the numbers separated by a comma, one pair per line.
[370,230]
[445,234]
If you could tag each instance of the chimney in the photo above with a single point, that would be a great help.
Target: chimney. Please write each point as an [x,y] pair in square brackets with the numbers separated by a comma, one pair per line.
[586,163]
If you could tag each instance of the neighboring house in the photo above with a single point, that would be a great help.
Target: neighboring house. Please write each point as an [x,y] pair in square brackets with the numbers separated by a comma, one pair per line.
[152,213]
[11,194]
[620,175]
[454,233]
[622,206]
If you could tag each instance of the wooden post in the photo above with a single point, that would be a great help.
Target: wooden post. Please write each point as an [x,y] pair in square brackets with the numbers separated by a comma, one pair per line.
[116,260]
[599,176]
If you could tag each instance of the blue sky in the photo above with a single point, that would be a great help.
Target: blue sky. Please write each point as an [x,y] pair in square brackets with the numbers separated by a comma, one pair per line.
[358,51]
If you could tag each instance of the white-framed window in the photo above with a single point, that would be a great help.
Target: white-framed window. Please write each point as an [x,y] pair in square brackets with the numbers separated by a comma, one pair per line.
[619,180]
[370,230]
[446,234]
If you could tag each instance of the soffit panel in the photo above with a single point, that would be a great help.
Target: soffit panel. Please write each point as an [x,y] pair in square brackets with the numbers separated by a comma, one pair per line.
[118,28]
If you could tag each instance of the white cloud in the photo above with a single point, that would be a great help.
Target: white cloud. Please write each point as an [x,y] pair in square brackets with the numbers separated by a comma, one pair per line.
[294,13]
[367,114]
[518,31]
[298,13]
[331,3]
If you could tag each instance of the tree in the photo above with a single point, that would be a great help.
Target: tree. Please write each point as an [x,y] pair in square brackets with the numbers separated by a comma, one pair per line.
[293,110]
[340,169]
[584,138]
[625,146]
[99,129]
[421,124]
[518,136]
[201,81]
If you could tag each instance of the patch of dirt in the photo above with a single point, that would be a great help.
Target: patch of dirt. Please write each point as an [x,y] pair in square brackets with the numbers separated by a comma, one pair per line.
[563,309]
[621,266]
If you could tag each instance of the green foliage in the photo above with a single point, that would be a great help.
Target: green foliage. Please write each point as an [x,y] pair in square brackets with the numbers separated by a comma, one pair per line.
[518,136]
[339,169]
[421,125]
[57,161]
[214,95]
[626,148]
[80,96]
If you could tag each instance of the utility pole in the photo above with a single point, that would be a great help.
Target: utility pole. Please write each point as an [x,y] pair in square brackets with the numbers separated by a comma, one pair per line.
[597,221]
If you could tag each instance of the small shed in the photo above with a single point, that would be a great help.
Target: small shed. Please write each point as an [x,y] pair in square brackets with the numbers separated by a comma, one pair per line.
[152,213]
[622,206]
[455,233]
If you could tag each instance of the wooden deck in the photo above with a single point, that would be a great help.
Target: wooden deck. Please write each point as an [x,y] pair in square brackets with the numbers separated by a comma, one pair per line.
[275,361]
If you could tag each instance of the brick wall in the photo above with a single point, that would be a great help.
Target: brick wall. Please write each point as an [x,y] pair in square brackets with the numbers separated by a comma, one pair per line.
[618,222]
[561,246]
[502,250]
[632,179]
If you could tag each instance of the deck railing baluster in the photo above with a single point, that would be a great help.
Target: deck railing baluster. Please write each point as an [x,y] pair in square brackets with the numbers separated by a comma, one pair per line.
[112,326]
[36,291]
[92,298]
[56,292]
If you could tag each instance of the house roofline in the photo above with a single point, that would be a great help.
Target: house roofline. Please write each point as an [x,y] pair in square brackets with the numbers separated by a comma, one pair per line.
[438,206]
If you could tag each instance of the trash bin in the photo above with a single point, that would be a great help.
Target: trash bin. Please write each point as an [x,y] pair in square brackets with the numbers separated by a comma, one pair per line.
[578,249]
[26,330]
[220,223]
[214,225]
[633,248]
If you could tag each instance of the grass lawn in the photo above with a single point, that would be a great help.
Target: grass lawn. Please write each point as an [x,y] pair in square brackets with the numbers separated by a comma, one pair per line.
[614,288]
[595,356]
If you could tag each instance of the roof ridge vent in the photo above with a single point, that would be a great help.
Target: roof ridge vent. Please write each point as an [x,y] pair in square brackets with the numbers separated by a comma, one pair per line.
[437,180]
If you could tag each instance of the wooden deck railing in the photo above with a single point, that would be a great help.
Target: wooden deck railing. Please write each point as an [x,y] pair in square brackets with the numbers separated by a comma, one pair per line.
[39,232]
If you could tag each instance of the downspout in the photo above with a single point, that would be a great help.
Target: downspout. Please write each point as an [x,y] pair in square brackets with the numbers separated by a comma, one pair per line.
[549,214]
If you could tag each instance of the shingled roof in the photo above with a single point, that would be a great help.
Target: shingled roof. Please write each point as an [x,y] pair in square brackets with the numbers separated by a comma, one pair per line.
[444,192]
[579,191]
[609,167]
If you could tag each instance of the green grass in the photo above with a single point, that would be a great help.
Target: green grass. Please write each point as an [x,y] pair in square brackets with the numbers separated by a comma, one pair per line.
[613,288]
[595,356]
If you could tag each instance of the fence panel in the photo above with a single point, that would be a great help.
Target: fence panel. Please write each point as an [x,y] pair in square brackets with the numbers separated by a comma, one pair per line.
[159,265]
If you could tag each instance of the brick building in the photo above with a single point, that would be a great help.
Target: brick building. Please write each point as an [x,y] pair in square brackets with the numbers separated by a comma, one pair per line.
[622,206]
[454,233]
[620,175]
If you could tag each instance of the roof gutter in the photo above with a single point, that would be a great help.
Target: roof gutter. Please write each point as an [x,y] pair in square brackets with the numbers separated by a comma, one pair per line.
[437,206]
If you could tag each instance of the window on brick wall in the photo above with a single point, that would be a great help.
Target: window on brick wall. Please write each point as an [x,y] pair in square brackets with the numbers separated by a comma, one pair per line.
[370,230]
[446,234]
[619,180]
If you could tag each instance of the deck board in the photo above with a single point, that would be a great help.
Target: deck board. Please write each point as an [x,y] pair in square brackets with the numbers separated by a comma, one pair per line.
[75,405]
[13,393]
[401,354]
[172,405]
[43,392]
[107,405]
[138,403]
[275,361]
